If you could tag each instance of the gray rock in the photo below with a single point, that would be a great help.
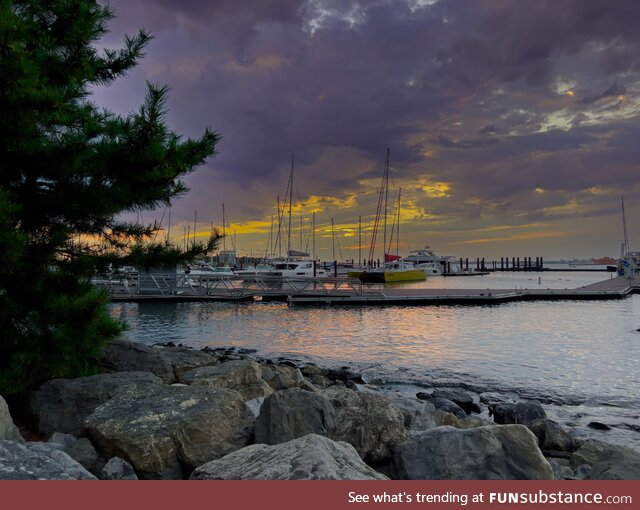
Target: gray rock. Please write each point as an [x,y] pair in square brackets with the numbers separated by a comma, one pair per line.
[123,355]
[508,452]
[371,423]
[319,381]
[169,431]
[492,398]
[61,405]
[444,404]
[117,469]
[418,415]
[8,429]
[254,405]
[607,461]
[244,376]
[18,462]
[561,471]
[293,413]
[79,449]
[552,437]
[460,397]
[311,457]
[523,413]
[312,370]
[282,377]
[183,359]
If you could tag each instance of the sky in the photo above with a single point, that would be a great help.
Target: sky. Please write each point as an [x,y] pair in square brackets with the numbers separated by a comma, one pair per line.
[513,127]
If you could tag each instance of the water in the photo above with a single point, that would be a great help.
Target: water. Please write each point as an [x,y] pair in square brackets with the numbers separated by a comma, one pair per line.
[582,358]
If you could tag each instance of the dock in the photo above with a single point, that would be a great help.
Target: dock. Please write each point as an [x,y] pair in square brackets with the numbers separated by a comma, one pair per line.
[613,288]
[342,291]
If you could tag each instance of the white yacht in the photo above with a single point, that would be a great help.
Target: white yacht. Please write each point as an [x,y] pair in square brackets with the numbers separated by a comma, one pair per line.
[428,261]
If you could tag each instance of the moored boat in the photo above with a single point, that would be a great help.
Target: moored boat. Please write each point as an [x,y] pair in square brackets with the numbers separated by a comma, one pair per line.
[391,272]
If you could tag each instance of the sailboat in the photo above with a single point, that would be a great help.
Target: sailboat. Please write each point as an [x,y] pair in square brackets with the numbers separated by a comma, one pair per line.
[629,263]
[393,270]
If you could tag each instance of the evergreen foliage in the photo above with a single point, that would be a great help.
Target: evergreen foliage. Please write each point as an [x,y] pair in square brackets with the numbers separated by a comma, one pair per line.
[68,170]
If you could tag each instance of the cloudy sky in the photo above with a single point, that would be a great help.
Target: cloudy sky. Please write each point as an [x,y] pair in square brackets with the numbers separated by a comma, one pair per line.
[513,126]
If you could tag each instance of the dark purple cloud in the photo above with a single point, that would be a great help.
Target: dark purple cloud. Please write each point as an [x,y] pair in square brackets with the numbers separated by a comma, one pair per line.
[496,99]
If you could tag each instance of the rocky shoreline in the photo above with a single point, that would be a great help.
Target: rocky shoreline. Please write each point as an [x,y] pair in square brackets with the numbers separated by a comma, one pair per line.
[171,412]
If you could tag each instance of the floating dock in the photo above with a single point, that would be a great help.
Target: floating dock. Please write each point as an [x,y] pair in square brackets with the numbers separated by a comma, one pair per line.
[340,291]
[614,288]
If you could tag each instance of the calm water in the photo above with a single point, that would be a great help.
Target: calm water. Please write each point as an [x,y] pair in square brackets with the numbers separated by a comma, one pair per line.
[584,356]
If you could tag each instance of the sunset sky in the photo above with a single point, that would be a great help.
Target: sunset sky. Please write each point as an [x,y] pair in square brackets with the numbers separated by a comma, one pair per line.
[513,126]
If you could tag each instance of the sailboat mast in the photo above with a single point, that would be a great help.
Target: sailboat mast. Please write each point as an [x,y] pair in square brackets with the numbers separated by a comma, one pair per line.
[624,229]
[224,238]
[398,228]
[278,236]
[359,239]
[386,197]
[290,205]
[195,222]
[333,239]
[313,233]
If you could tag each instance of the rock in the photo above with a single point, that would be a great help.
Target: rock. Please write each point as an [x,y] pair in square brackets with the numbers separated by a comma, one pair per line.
[492,398]
[282,377]
[243,376]
[598,426]
[184,359]
[371,423]
[293,413]
[418,415]
[522,413]
[471,422]
[117,469]
[308,386]
[443,418]
[443,404]
[311,457]
[169,431]
[254,405]
[607,461]
[561,471]
[61,405]
[312,370]
[462,398]
[319,381]
[81,450]
[508,452]
[19,462]
[552,437]
[122,355]
[8,429]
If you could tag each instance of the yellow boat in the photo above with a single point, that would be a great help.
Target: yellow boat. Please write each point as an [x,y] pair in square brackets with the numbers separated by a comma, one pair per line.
[391,272]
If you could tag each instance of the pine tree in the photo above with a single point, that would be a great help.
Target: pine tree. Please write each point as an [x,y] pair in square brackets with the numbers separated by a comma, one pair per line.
[68,170]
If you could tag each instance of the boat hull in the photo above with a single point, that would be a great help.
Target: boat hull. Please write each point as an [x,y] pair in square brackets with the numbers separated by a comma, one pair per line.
[416,275]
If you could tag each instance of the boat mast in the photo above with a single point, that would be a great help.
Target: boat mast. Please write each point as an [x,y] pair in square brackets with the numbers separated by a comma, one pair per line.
[313,233]
[290,206]
[195,222]
[333,239]
[224,238]
[359,239]
[386,197]
[624,230]
[398,228]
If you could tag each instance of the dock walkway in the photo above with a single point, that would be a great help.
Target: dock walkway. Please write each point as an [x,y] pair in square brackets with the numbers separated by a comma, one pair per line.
[339,291]
[614,288]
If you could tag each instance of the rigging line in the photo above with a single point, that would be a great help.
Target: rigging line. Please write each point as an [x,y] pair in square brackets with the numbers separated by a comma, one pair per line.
[376,223]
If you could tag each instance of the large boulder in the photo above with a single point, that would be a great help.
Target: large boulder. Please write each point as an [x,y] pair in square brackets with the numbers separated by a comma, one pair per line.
[311,457]
[508,452]
[418,414]
[123,355]
[607,461]
[8,429]
[371,423]
[552,438]
[282,377]
[523,413]
[293,413]
[184,359]
[171,430]
[61,405]
[244,376]
[20,462]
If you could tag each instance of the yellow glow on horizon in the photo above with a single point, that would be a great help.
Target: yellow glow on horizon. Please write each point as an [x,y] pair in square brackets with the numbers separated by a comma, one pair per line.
[540,190]
[516,237]
[570,93]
